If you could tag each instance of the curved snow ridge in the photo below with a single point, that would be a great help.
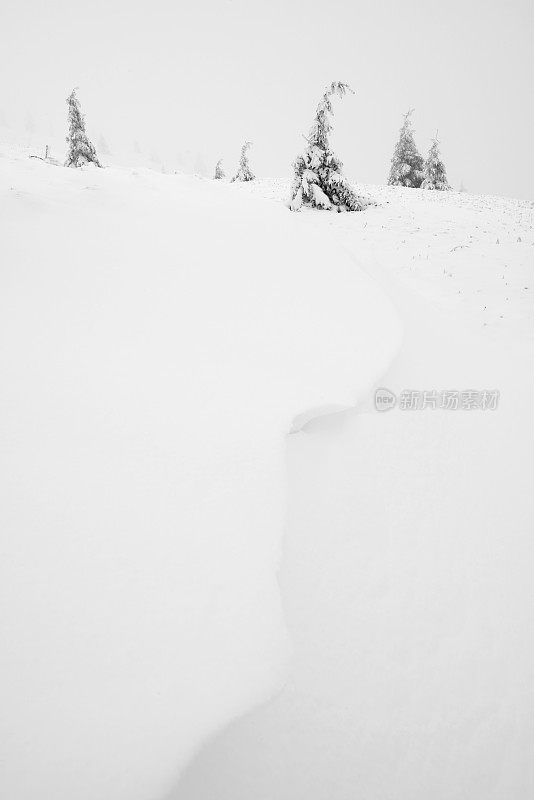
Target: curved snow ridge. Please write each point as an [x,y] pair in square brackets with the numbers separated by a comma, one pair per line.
[159,335]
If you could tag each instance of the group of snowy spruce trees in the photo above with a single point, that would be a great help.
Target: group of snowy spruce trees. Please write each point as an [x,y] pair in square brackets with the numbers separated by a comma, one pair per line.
[318,180]
[244,172]
[408,167]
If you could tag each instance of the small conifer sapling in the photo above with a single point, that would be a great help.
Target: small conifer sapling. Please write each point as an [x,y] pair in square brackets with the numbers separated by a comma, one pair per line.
[219,172]
[434,176]
[244,173]
[80,150]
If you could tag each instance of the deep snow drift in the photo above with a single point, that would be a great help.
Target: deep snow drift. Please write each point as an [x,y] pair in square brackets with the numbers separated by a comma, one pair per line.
[407,569]
[159,334]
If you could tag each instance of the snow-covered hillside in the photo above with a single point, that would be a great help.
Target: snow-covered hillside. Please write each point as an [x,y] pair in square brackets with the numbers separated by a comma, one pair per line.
[406,576]
[471,255]
[160,334]
[160,337]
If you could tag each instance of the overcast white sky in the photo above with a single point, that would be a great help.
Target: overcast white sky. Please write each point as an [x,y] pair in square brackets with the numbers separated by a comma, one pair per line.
[189,77]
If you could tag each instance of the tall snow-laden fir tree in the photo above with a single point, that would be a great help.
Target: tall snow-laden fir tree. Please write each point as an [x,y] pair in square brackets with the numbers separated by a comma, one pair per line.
[80,151]
[435,176]
[244,173]
[219,172]
[407,163]
[318,181]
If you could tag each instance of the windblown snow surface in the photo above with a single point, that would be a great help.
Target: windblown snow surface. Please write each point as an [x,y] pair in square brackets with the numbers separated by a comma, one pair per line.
[407,569]
[160,335]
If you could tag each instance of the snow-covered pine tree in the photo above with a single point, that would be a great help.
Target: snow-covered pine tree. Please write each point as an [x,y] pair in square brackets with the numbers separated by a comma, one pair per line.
[80,151]
[435,176]
[407,163]
[244,173]
[219,172]
[318,181]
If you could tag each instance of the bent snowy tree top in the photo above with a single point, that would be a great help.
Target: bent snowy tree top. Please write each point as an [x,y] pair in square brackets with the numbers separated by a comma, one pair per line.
[319,181]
